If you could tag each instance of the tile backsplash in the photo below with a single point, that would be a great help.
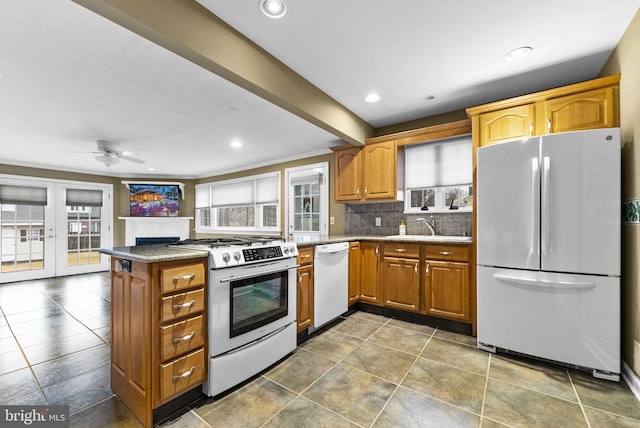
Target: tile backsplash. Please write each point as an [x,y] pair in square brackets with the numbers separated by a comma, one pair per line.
[360,219]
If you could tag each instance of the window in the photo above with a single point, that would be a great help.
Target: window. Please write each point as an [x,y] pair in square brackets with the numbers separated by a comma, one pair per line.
[249,204]
[439,176]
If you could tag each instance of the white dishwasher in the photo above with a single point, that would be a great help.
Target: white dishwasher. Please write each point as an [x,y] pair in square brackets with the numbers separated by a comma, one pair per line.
[330,282]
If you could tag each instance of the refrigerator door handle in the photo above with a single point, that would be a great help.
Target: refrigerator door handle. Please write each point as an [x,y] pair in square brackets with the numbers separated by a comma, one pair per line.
[546,283]
[546,201]
[535,206]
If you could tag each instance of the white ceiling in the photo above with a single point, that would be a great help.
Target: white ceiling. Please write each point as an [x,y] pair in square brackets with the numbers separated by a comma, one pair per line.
[70,77]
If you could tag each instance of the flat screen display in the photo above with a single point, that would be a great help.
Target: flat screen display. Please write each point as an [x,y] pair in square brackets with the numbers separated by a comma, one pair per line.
[151,200]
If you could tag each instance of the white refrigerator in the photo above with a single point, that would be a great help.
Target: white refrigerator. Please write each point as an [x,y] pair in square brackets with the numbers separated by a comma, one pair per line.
[549,248]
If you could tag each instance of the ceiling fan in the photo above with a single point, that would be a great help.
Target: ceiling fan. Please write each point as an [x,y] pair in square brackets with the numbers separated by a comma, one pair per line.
[109,154]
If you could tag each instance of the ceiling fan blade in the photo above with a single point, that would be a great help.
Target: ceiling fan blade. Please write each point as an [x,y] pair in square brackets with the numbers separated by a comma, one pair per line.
[131,159]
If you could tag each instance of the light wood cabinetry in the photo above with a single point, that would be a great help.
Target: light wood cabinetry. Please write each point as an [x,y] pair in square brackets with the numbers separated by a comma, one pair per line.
[304,290]
[370,280]
[159,330]
[366,174]
[586,105]
[355,272]
[446,282]
[401,276]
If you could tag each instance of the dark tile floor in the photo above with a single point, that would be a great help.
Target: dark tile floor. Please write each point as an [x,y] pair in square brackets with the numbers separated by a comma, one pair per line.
[368,370]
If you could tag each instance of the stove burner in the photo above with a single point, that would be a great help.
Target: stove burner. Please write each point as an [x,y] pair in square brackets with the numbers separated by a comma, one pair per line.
[226,242]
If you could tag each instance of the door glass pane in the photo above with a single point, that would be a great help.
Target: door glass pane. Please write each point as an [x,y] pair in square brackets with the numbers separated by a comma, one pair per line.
[22,237]
[83,235]
[306,207]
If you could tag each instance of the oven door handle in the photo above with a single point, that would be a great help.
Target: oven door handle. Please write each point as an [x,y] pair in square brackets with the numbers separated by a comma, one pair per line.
[254,274]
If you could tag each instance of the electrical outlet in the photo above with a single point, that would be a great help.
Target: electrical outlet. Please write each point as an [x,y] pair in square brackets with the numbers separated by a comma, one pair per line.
[378,221]
[332,220]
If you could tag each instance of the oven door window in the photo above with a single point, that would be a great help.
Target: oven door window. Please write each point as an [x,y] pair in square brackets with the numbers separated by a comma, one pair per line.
[258,301]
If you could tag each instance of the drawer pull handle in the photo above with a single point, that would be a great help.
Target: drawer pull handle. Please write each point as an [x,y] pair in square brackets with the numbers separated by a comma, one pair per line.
[185,338]
[446,253]
[184,278]
[306,256]
[400,250]
[184,305]
[185,374]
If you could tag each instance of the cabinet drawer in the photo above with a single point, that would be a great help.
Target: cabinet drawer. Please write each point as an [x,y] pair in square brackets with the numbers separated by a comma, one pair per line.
[400,249]
[183,304]
[181,337]
[448,252]
[181,277]
[181,374]
[305,256]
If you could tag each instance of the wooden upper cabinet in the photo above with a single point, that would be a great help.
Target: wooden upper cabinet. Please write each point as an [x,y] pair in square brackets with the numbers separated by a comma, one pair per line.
[365,174]
[348,174]
[586,105]
[585,110]
[509,123]
[379,170]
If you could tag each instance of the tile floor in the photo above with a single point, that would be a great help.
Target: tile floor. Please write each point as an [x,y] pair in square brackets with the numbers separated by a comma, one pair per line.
[367,370]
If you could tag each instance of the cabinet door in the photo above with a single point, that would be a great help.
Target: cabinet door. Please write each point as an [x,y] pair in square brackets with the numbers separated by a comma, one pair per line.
[370,280]
[130,339]
[506,124]
[355,272]
[348,174]
[585,110]
[304,296]
[447,289]
[400,283]
[380,170]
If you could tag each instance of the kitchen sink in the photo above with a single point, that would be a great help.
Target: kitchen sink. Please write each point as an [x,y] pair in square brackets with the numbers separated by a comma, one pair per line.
[430,238]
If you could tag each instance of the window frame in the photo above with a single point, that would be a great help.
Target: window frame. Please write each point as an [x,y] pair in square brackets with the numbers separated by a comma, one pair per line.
[210,213]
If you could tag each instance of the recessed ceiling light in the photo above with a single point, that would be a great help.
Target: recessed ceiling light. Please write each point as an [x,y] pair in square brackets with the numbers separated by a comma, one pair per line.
[372,98]
[430,98]
[235,144]
[273,8]
[518,53]
[151,169]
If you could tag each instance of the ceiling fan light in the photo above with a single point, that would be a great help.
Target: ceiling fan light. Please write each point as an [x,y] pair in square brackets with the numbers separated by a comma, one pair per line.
[107,159]
[273,8]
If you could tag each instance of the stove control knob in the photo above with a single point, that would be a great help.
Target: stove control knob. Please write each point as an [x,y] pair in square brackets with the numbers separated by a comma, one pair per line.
[285,250]
[226,257]
[237,256]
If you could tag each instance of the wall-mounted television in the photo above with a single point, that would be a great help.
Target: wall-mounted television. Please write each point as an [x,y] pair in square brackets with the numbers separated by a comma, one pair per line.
[154,200]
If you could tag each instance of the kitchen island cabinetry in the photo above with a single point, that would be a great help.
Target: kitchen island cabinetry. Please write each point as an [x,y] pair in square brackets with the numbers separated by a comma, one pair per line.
[304,289]
[366,174]
[586,105]
[446,282]
[355,272]
[370,279]
[158,339]
[401,276]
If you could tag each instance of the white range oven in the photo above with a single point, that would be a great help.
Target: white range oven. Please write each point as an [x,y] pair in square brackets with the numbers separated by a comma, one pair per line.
[252,307]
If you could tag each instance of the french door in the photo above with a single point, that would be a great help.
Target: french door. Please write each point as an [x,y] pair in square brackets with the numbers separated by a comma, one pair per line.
[307,202]
[52,228]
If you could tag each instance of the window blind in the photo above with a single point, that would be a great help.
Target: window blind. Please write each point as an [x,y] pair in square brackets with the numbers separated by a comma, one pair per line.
[203,198]
[84,197]
[232,194]
[267,190]
[437,164]
[23,195]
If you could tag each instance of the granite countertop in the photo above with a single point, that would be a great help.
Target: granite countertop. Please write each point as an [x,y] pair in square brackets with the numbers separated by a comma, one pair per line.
[420,239]
[154,253]
[164,253]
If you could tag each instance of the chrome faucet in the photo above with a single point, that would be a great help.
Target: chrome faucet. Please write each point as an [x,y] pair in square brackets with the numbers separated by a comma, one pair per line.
[431,223]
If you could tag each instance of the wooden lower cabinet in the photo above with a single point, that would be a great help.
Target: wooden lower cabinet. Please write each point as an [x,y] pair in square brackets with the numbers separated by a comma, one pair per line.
[304,289]
[370,279]
[158,332]
[446,282]
[355,272]
[401,276]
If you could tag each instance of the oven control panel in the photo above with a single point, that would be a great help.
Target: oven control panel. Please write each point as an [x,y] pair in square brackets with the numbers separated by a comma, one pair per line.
[230,256]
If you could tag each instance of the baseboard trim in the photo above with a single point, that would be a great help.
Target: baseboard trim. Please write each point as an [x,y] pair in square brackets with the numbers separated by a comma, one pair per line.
[631,379]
